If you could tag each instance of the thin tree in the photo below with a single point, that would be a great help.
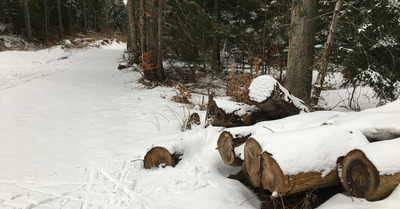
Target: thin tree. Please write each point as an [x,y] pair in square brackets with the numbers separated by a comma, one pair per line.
[133,30]
[160,67]
[46,20]
[216,62]
[28,31]
[301,48]
[84,12]
[327,53]
[60,27]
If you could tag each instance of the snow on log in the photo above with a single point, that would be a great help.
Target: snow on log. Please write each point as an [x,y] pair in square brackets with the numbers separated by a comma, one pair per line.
[252,162]
[230,114]
[381,123]
[157,156]
[226,147]
[300,160]
[372,171]
[229,141]
[272,98]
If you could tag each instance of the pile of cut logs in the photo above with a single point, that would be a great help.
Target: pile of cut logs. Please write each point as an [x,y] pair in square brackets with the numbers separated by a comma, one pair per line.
[297,158]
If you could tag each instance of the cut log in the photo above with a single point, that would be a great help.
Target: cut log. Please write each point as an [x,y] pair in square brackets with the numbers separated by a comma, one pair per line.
[273,178]
[226,147]
[252,162]
[231,114]
[272,98]
[157,156]
[300,160]
[372,171]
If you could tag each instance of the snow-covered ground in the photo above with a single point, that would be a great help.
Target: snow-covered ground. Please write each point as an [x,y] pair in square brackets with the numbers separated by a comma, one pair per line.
[74,131]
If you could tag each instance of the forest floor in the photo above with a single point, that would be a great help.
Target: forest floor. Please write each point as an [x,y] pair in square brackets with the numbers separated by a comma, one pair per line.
[74,131]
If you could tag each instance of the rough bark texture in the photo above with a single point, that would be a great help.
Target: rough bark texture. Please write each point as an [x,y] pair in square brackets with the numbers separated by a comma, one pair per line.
[275,106]
[273,179]
[60,27]
[157,156]
[301,48]
[133,31]
[27,19]
[216,63]
[327,53]
[252,162]
[226,147]
[216,116]
[361,178]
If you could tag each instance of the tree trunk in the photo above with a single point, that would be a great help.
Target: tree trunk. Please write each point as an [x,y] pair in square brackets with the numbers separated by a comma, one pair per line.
[160,67]
[273,179]
[84,18]
[327,53]
[106,16]
[301,48]
[226,147]
[46,21]
[142,28]
[133,31]
[216,61]
[362,179]
[60,27]
[28,31]
[252,162]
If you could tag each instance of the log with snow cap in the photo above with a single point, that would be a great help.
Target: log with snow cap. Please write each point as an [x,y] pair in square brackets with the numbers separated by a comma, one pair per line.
[372,171]
[272,98]
[230,140]
[295,161]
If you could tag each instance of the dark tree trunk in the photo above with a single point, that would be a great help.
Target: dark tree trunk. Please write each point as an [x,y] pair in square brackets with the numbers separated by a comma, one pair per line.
[60,27]
[160,67]
[133,31]
[216,61]
[28,31]
[46,20]
[84,18]
[301,48]
[106,17]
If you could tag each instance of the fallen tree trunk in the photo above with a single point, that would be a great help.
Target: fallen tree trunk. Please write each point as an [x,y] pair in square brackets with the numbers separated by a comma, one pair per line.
[272,98]
[295,161]
[159,156]
[252,162]
[226,147]
[372,171]
[232,114]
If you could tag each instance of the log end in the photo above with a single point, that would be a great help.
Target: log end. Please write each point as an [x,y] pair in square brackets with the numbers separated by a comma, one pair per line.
[225,148]
[360,176]
[272,177]
[157,156]
[252,161]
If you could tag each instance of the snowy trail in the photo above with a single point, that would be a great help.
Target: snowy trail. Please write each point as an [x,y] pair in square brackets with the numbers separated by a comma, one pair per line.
[70,128]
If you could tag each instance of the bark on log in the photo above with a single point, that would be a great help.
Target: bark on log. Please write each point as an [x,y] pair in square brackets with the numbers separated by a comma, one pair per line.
[273,179]
[252,162]
[362,179]
[157,156]
[226,147]
[244,115]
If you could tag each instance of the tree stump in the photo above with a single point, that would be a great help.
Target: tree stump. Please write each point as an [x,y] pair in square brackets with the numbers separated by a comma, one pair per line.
[252,162]
[272,98]
[194,119]
[157,156]
[363,174]
[226,147]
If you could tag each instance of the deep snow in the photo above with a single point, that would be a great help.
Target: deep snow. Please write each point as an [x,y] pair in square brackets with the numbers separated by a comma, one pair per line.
[73,131]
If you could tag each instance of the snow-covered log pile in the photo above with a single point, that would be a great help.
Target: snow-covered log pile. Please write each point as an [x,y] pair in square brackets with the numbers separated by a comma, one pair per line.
[294,161]
[303,152]
[372,171]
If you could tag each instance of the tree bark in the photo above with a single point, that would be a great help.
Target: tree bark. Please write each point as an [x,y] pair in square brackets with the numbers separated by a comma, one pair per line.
[362,179]
[216,61]
[273,179]
[160,67]
[327,53]
[27,19]
[301,48]
[226,147]
[133,31]
[142,28]
[46,21]
[84,18]
[157,156]
[106,16]
[60,27]
[252,162]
